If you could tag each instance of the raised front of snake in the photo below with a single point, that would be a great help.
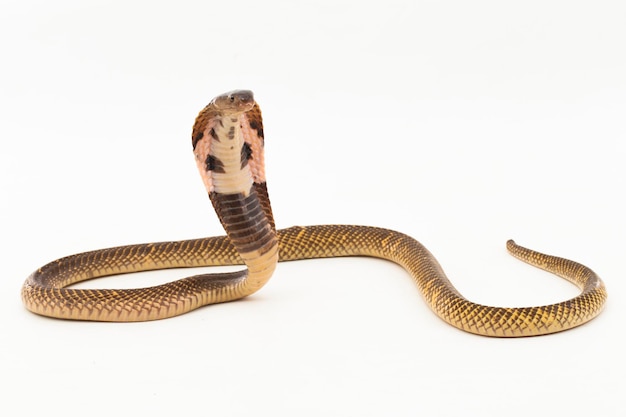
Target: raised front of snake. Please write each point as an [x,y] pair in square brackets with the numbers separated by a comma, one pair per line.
[228,144]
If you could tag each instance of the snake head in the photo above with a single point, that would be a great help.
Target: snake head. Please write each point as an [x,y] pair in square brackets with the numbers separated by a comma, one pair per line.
[234,102]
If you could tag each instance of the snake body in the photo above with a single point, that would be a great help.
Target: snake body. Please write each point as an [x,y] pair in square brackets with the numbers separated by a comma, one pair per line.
[228,143]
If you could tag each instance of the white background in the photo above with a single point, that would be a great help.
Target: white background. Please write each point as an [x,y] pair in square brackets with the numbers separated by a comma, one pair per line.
[461,123]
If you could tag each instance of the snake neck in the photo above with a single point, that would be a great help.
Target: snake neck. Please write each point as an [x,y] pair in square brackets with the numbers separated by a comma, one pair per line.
[250,231]
[228,147]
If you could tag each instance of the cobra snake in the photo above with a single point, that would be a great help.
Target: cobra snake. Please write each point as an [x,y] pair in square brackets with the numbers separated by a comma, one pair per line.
[228,144]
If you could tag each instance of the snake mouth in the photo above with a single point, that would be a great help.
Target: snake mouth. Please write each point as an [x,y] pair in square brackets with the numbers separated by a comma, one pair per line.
[234,102]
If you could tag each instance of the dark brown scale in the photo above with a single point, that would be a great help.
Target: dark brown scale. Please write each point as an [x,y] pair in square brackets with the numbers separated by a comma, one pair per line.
[246,154]
[214,164]
[214,134]
[256,121]
[196,138]
[203,119]
[261,190]
[244,220]
[239,218]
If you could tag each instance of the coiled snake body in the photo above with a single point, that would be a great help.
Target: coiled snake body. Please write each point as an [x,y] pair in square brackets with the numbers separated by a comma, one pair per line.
[228,145]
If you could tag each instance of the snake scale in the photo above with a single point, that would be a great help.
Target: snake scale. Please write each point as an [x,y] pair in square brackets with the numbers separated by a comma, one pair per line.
[228,144]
